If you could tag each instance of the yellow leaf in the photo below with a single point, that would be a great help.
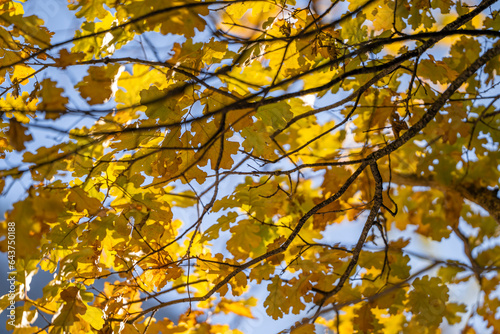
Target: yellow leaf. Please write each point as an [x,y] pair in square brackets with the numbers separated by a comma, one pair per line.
[22,74]
[275,299]
[238,284]
[365,319]
[236,307]
[94,316]
[245,238]
[262,272]
[160,105]
[70,309]
[90,9]
[20,106]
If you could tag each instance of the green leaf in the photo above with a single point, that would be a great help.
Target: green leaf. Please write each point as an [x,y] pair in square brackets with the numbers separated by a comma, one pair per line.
[275,115]
[83,202]
[274,301]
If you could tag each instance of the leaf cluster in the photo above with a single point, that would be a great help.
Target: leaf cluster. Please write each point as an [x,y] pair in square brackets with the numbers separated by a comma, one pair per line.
[221,145]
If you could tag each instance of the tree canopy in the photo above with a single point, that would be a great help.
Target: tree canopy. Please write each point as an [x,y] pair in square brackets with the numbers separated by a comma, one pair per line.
[181,153]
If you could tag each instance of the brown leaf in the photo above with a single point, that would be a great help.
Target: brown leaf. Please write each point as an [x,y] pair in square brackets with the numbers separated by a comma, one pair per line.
[66,58]
[96,87]
[397,124]
[17,136]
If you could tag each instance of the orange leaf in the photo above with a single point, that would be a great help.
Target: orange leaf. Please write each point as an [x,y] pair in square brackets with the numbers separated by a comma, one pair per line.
[53,102]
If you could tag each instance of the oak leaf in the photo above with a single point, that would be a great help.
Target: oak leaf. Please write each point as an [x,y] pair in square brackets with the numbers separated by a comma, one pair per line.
[96,87]
[17,136]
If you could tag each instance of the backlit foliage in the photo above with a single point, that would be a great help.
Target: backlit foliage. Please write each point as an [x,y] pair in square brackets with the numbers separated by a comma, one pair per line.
[318,149]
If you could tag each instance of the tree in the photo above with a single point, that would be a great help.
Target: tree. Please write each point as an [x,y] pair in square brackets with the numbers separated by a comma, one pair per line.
[211,146]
